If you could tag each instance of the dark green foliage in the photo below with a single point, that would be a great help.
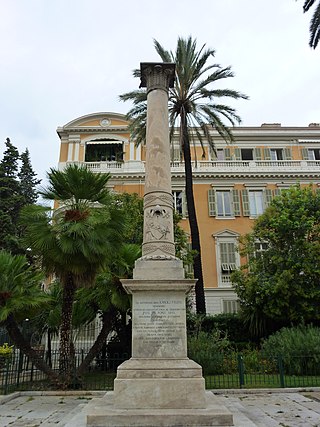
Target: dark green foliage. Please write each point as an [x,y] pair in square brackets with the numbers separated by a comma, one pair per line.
[209,350]
[281,286]
[314,23]
[28,179]
[230,325]
[17,188]
[299,348]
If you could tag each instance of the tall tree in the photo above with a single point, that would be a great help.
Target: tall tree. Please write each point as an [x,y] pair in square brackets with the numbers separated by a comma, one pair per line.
[314,23]
[193,104]
[17,188]
[281,281]
[76,244]
[10,198]
[28,179]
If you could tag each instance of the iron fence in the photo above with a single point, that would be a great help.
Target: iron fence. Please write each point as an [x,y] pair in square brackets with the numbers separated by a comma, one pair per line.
[253,370]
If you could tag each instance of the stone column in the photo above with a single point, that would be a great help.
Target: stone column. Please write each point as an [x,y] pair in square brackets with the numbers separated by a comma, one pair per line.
[158,237]
[159,386]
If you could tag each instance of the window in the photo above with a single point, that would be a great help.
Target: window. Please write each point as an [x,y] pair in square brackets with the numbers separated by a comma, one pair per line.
[224,206]
[220,154]
[314,154]
[103,151]
[180,202]
[255,202]
[177,201]
[276,154]
[259,248]
[230,306]
[227,256]
[227,261]
[224,203]
[246,154]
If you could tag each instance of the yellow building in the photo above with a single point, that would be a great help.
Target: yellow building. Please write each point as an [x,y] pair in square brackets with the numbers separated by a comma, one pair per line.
[231,187]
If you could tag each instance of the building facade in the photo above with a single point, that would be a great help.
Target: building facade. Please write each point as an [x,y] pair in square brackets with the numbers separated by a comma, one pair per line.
[232,185]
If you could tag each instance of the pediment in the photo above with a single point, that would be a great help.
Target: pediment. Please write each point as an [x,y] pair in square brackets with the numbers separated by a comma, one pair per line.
[102,119]
[226,233]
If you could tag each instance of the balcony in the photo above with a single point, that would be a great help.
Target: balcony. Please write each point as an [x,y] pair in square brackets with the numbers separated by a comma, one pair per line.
[228,166]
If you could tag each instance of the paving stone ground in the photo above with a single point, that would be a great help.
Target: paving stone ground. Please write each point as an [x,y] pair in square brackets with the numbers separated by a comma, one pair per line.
[250,409]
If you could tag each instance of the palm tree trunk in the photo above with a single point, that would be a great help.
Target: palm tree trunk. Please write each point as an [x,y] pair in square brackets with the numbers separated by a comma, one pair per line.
[23,345]
[107,318]
[66,349]
[194,229]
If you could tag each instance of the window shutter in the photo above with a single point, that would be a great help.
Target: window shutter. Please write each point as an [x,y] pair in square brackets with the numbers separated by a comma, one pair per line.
[245,203]
[227,153]
[176,154]
[267,155]
[267,197]
[212,202]
[236,202]
[276,192]
[287,153]
[257,154]
[237,153]
[224,259]
[304,154]
[213,155]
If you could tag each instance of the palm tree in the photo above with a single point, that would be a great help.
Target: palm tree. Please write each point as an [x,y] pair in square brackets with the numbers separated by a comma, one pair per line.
[20,292]
[314,24]
[108,297]
[76,242]
[192,105]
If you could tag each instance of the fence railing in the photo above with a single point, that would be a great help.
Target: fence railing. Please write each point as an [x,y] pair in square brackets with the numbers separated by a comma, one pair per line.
[220,371]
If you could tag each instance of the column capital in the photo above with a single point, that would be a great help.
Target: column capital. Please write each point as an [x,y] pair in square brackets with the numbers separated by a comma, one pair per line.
[157,75]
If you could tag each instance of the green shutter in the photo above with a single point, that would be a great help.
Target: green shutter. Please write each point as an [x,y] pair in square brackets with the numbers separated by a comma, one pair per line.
[257,154]
[212,202]
[304,154]
[176,154]
[237,154]
[236,202]
[224,259]
[245,203]
[287,153]
[266,153]
[213,155]
[267,197]
[227,153]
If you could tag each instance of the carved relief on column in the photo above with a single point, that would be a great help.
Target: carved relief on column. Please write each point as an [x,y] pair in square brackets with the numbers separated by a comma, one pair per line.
[158,239]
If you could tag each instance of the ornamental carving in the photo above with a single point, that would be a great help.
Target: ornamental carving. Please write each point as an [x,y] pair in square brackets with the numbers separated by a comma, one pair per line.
[157,224]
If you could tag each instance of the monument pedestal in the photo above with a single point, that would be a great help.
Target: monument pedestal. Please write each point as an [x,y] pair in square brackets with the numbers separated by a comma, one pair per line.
[159,386]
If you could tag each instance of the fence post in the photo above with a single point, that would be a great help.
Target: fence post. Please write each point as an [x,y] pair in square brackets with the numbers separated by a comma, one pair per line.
[281,371]
[241,370]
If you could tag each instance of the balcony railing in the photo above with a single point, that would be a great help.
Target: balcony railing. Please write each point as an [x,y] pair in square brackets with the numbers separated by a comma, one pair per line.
[215,166]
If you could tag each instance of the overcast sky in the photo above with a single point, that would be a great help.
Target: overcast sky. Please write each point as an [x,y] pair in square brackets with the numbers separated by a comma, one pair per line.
[62,59]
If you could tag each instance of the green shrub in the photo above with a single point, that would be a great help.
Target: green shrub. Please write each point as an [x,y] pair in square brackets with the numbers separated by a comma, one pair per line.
[298,347]
[230,325]
[209,350]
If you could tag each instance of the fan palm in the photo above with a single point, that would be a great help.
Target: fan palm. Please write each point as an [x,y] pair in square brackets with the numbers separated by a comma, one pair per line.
[314,24]
[77,242]
[193,104]
[20,292]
